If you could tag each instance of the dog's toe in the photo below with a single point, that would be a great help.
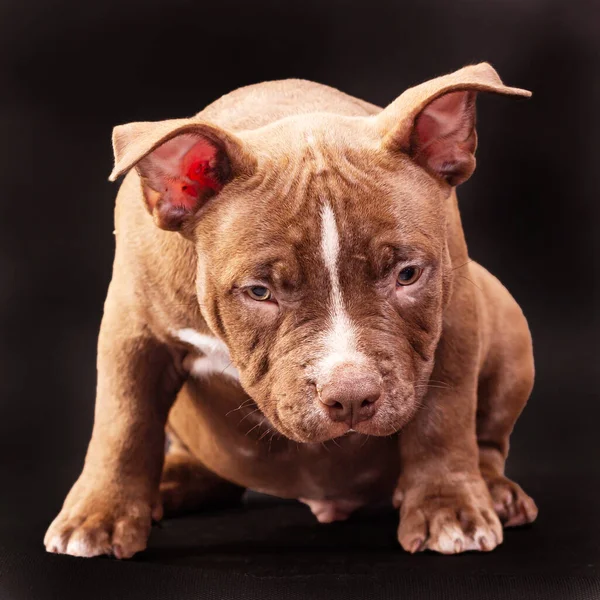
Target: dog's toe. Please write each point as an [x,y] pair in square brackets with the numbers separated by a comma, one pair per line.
[459,520]
[120,531]
[512,505]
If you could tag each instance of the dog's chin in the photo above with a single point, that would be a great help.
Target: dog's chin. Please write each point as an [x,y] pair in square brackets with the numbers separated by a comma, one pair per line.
[376,429]
[309,431]
[329,430]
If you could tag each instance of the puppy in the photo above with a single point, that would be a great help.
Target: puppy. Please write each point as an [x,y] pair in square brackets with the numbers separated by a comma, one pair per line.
[291,270]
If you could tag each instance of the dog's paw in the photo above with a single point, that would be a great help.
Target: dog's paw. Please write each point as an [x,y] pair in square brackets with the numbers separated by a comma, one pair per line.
[511,503]
[449,518]
[94,527]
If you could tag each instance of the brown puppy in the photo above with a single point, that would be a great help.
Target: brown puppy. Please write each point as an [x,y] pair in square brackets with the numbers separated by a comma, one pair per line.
[318,287]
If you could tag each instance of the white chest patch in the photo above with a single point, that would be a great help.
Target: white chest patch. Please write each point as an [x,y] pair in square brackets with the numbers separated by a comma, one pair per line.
[216,357]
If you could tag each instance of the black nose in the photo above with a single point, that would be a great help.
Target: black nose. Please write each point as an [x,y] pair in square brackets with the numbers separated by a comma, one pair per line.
[351,396]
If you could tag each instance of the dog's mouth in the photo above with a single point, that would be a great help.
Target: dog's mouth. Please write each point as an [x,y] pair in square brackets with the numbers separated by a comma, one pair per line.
[306,421]
[318,428]
[377,428]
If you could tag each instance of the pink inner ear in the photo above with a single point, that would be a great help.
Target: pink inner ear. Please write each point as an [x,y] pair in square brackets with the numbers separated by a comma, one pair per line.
[192,165]
[444,116]
[444,139]
[198,171]
[181,175]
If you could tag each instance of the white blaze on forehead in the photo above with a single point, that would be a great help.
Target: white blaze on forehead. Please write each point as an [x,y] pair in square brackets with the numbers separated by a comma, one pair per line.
[339,340]
[216,359]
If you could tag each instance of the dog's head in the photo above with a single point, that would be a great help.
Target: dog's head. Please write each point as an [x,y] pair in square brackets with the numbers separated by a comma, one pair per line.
[323,258]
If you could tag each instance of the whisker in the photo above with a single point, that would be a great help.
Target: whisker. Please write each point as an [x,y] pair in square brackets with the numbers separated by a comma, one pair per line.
[247,415]
[426,385]
[431,381]
[463,265]
[463,277]
[265,434]
[227,367]
[244,404]
[253,428]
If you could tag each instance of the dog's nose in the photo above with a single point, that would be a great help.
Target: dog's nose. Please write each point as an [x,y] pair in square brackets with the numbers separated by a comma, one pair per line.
[351,395]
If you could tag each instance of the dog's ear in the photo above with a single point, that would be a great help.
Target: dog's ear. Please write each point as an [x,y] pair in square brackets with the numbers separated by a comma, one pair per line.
[434,123]
[181,162]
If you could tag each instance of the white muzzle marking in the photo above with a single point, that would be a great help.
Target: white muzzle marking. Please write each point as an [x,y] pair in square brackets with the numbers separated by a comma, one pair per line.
[339,340]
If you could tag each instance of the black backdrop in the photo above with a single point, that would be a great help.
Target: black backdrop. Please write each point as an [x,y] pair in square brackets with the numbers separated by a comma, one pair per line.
[71,70]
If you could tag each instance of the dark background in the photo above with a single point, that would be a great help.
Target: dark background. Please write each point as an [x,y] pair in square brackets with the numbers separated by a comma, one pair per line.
[70,70]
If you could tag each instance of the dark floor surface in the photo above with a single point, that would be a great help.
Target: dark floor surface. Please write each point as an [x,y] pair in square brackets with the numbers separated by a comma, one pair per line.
[275,549]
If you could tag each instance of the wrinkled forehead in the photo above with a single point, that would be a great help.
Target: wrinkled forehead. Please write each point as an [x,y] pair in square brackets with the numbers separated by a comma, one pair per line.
[323,191]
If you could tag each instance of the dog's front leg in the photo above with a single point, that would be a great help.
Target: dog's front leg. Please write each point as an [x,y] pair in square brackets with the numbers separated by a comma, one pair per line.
[444,502]
[110,507]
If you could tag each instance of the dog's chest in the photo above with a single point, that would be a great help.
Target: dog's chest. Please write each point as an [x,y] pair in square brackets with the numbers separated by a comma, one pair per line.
[233,438]
[239,447]
[353,469]
[210,355]
[349,471]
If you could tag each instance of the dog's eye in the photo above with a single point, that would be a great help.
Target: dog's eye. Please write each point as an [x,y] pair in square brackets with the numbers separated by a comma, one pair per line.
[260,293]
[409,275]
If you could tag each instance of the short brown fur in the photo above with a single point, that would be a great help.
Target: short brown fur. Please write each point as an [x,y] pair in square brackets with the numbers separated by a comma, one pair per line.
[452,354]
